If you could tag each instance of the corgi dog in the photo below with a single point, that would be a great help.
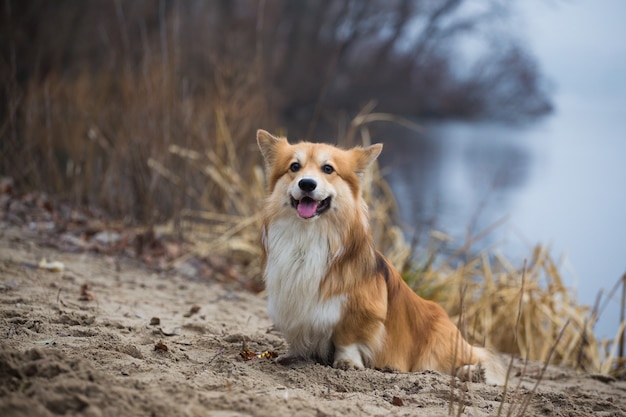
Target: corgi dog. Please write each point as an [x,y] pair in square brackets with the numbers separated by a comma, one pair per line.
[335,298]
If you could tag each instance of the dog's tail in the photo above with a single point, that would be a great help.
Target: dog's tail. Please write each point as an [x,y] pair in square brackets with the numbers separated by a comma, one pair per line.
[495,369]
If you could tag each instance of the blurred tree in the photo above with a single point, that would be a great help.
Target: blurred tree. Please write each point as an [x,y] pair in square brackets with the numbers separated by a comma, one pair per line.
[326,54]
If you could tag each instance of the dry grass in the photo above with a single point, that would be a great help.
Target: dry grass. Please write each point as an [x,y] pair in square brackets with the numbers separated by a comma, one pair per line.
[106,139]
[492,289]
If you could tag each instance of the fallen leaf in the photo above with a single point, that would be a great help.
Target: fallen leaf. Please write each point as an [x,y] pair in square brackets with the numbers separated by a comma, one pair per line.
[160,346]
[193,310]
[269,354]
[397,401]
[248,354]
[51,266]
[85,294]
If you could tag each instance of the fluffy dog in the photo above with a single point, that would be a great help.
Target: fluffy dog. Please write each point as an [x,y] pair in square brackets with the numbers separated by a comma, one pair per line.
[335,298]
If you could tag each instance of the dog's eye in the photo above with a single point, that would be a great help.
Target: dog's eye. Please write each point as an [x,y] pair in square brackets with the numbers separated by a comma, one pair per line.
[295,167]
[327,169]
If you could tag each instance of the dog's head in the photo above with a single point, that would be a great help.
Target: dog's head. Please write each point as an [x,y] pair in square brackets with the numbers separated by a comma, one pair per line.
[314,180]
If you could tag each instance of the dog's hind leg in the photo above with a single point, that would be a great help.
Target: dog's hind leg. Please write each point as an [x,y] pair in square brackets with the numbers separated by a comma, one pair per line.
[348,357]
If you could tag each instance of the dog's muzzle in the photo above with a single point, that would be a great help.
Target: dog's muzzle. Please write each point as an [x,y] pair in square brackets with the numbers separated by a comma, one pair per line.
[307,206]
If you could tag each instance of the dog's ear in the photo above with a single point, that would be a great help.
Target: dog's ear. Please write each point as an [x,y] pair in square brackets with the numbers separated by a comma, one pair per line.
[268,145]
[366,156]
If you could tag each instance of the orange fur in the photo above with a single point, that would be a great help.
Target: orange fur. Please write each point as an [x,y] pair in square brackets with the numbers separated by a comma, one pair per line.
[330,292]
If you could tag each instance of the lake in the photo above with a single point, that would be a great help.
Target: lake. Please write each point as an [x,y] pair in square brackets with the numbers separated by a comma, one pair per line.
[560,182]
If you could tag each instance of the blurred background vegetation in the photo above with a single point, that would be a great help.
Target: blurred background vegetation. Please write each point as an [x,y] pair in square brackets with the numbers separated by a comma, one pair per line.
[148,109]
[94,90]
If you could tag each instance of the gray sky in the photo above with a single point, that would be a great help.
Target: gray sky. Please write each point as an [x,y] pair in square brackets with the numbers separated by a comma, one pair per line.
[580,45]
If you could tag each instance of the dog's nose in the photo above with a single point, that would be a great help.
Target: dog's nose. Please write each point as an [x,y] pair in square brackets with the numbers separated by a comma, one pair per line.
[307,184]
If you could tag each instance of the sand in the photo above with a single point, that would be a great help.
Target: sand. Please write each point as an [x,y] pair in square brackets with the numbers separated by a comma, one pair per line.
[108,336]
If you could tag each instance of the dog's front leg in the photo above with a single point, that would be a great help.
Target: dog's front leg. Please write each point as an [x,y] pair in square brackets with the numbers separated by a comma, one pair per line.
[356,343]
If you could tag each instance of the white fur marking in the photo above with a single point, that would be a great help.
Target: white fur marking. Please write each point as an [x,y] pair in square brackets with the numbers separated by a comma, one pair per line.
[298,259]
[349,356]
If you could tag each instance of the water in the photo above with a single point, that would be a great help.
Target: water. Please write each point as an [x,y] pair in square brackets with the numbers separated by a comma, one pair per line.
[561,182]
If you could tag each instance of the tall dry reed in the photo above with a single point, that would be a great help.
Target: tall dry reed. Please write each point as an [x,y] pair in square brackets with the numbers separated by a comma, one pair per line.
[105,138]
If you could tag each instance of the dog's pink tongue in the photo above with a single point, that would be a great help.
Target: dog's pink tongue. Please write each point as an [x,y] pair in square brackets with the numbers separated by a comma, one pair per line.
[307,208]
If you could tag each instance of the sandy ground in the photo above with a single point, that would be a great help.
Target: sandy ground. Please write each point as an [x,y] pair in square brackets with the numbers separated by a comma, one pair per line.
[139,343]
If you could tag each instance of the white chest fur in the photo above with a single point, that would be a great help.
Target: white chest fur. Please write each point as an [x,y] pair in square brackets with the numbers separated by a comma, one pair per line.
[298,258]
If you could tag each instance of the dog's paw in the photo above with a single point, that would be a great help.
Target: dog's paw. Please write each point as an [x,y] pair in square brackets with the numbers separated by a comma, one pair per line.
[348,357]
[471,373]
[347,365]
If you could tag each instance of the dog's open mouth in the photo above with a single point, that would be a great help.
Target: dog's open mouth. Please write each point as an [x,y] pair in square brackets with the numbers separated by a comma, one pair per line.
[308,207]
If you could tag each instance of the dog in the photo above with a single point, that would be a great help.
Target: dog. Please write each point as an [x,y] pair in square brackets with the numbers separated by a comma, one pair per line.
[335,298]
